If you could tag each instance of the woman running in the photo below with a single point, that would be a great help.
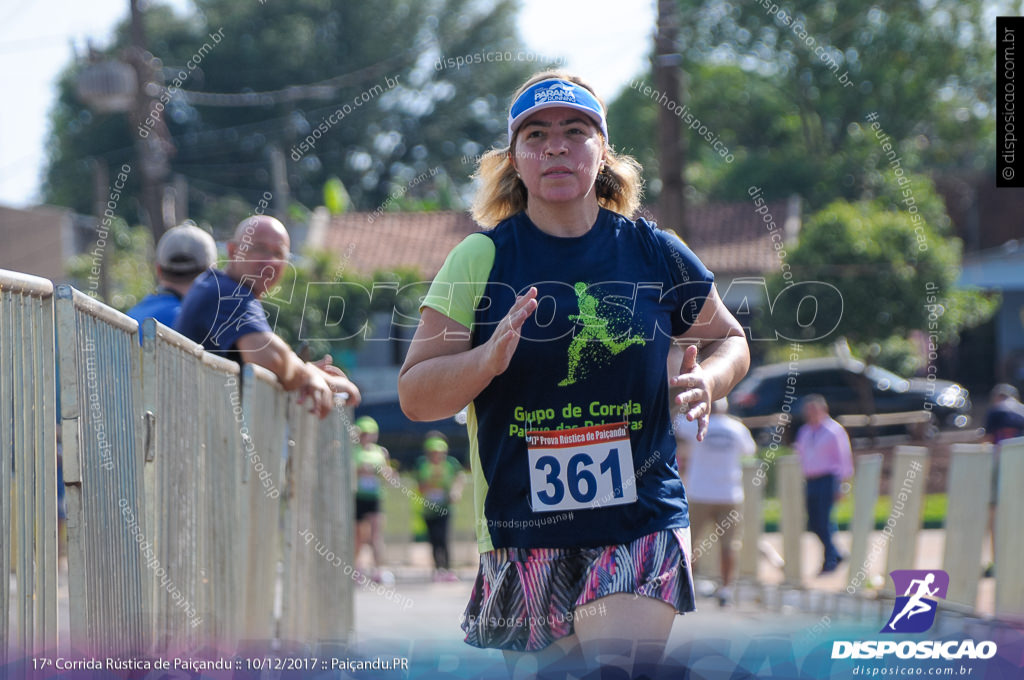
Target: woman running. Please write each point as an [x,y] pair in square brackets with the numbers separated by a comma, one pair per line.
[553,324]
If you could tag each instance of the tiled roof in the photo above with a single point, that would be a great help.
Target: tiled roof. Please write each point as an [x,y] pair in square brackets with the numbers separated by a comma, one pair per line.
[730,238]
[392,240]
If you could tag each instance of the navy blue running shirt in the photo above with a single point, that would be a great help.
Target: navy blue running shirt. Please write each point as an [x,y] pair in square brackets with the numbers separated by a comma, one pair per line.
[594,352]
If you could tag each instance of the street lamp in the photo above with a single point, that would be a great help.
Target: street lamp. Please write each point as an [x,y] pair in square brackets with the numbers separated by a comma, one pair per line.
[107,86]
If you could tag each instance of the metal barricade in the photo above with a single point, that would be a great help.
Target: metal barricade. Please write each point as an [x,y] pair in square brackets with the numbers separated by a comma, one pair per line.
[192,474]
[319,575]
[99,355]
[28,465]
[753,522]
[907,491]
[868,473]
[175,454]
[174,469]
[263,427]
[793,517]
[222,548]
[969,492]
[1009,538]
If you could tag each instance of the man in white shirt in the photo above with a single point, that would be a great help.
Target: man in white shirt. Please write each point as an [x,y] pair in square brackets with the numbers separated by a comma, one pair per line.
[714,488]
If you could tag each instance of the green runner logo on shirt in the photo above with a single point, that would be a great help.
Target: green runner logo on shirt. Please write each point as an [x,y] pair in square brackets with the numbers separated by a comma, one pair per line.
[595,334]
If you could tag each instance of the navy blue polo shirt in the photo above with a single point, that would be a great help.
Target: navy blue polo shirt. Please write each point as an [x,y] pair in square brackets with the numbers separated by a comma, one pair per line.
[217,311]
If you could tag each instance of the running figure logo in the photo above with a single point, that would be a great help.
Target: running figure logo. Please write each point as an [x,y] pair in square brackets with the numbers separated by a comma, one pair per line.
[914,611]
[594,334]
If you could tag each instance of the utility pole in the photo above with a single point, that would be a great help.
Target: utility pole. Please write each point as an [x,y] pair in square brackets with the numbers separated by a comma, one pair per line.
[667,65]
[153,144]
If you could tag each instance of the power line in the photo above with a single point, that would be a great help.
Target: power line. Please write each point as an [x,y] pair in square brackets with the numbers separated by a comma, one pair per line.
[325,89]
[207,138]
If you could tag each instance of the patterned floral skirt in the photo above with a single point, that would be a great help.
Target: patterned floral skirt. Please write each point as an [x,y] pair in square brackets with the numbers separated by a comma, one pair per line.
[526,598]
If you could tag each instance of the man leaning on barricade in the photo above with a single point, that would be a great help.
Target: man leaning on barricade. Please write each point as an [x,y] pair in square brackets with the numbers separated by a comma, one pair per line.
[223,312]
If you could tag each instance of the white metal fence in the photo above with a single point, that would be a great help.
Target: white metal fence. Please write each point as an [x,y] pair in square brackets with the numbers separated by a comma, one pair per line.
[314,509]
[968,505]
[101,381]
[179,501]
[28,466]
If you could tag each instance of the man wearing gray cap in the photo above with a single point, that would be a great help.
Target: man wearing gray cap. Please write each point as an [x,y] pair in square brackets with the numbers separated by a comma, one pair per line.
[183,253]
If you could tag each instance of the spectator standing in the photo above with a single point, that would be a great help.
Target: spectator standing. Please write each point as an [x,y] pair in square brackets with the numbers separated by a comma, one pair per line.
[372,464]
[439,479]
[714,485]
[827,461]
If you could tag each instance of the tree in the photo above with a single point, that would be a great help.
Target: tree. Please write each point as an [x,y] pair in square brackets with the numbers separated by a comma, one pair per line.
[756,126]
[803,77]
[377,108]
[894,272]
[129,269]
[335,311]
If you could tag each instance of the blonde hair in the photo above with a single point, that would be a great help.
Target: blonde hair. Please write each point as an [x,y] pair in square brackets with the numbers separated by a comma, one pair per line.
[502,194]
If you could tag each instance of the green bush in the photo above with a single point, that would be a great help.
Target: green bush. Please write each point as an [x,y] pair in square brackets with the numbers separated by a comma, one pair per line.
[934,513]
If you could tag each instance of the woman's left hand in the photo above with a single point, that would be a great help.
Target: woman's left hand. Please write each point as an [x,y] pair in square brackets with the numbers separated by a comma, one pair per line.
[695,399]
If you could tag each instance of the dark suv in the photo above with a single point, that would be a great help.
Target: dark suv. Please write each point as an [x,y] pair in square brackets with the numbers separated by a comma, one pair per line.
[854,392]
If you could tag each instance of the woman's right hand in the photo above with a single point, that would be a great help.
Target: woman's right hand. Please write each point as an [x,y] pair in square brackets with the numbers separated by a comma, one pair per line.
[443,371]
[503,343]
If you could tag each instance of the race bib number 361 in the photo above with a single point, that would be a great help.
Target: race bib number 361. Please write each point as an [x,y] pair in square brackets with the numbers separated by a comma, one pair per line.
[589,467]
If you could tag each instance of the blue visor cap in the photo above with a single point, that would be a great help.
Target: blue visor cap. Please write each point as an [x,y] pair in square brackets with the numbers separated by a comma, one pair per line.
[554,92]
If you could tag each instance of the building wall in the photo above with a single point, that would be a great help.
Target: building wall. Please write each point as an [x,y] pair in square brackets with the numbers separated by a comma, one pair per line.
[1010,338]
[34,241]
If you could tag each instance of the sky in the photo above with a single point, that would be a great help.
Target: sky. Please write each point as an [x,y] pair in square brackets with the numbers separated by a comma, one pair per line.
[607,45]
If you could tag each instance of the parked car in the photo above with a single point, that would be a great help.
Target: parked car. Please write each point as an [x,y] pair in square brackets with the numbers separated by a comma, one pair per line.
[920,406]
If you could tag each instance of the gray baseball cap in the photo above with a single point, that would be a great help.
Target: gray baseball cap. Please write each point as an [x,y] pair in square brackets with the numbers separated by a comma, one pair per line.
[186,249]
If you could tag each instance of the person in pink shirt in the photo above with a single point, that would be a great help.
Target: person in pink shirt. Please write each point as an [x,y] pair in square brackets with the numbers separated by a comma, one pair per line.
[827,461]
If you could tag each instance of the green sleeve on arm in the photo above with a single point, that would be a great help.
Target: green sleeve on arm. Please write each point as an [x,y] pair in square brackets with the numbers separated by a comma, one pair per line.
[460,284]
